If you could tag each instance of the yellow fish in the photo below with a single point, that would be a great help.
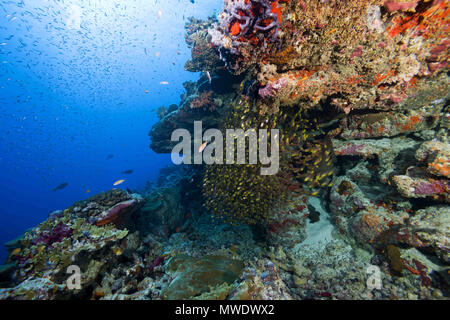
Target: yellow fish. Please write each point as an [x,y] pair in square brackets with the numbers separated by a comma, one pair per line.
[117,251]
[118,182]
[16,252]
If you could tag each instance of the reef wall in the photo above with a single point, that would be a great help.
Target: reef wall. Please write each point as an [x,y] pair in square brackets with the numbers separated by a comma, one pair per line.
[359,91]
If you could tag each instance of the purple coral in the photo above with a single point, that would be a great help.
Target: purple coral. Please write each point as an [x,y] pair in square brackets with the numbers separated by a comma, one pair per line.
[57,234]
[271,89]
[350,150]
[266,91]
[428,189]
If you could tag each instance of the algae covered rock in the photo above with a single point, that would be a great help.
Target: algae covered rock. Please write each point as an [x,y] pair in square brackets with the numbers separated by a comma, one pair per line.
[436,155]
[412,187]
[194,276]
[432,227]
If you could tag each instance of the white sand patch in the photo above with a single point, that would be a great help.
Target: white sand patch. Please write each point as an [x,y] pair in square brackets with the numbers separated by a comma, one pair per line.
[318,234]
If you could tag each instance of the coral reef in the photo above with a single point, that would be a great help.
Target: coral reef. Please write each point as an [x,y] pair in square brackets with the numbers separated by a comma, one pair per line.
[87,231]
[359,93]
[356,55]
[244,27]
[294,56]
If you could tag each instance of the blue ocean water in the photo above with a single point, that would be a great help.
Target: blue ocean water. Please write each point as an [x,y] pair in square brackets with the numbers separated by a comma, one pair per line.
[80,82]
